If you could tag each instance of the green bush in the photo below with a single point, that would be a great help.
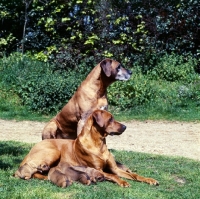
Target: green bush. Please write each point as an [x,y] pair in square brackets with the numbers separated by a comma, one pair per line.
[175,68]
[172,82]
[47,93]
[46,88]
[137,91]
[191,92]
[40,86]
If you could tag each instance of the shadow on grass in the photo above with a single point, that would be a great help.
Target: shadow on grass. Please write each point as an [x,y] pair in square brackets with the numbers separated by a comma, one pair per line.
[12,153]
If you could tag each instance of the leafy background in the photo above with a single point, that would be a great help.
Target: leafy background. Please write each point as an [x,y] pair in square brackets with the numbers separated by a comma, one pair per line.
[66,32]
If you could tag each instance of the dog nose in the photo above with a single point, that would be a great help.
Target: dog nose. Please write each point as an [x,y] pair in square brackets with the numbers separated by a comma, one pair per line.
[123,127]
[129,72]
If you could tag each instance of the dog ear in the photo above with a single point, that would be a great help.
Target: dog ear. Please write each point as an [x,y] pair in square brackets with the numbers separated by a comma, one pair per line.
[106,66]
[97,115]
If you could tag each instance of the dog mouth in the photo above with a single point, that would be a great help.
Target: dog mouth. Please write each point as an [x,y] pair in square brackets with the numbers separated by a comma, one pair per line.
[118,131]
[123,77]
[127,77]
[115,133]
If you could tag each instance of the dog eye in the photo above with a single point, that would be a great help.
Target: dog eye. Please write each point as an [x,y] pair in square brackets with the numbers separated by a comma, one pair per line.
[118,68]
[111,119]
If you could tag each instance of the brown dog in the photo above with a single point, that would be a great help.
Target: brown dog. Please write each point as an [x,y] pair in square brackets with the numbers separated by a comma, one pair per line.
[88,150]
[63,175]
[90,95]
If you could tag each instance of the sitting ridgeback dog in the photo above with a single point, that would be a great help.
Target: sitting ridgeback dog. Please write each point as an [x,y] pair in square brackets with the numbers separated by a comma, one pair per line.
[63,175]
[88,150]
[90,95]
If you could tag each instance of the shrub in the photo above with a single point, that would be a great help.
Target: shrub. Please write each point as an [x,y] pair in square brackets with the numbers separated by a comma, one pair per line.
[39,85]
[137,91]
[175,68]
[171,83]
[190,92]
[46,93]
[46,88]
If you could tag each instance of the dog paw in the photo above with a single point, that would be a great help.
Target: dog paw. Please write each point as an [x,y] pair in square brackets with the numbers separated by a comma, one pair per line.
[17,174]
[27,177]
[65,183]
[43,167]
[124,184]
[68,182]
[152,181]
[89,182]
[23,173]
[100,178]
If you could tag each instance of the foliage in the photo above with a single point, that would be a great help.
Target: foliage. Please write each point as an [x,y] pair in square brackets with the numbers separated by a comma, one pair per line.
[11,108]
[176,177]
[172,80]
[67,32]
[137,91]
[175,68]
[38,84]
[46,88]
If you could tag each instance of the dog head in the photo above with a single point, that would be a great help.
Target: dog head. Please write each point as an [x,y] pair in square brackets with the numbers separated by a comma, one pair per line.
[114,70]
[106,124]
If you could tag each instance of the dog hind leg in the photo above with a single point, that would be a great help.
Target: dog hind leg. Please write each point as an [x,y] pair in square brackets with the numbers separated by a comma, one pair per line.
[49,131]
[25,172]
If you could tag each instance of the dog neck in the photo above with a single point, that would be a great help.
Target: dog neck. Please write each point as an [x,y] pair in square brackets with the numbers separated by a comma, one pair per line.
[98,79]
[90,139]
[106,81]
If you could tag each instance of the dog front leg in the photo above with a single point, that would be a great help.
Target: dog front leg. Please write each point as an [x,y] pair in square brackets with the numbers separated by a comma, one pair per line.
[116,179]
[129,175]
[123,167]
[134,176]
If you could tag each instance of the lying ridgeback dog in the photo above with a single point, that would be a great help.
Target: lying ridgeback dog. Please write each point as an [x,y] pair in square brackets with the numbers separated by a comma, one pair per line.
[88,150]
[90,95]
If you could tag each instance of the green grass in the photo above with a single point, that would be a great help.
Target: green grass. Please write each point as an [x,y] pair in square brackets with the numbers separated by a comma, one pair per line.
[155,111]
[179,178]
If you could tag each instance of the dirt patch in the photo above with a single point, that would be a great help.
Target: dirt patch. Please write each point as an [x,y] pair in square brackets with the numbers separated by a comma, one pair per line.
[157,137]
